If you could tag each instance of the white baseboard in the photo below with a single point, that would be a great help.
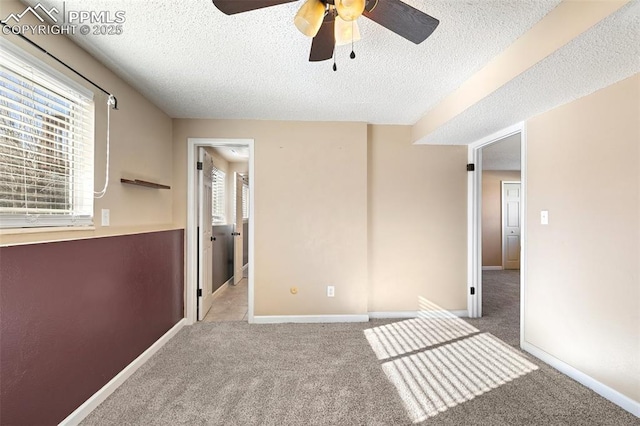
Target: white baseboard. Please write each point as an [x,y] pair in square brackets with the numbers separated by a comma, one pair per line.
[97,398]
[220,289]
[492,268]
[601,389]
[282,319]
[414,314]
[393,315]
[245,268]
[305,319]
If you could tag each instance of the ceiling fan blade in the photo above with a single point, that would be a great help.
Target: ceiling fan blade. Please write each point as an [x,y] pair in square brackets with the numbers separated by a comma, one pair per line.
[324,42]
[231,7]
[402,19]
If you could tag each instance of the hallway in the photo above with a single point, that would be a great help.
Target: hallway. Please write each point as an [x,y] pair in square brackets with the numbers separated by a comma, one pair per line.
[230,303]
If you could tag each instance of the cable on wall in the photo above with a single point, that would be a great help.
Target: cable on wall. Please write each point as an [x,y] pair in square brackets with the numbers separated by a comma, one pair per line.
[110,103]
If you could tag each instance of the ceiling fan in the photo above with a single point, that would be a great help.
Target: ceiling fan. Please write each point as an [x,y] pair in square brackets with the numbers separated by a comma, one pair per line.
[333,22]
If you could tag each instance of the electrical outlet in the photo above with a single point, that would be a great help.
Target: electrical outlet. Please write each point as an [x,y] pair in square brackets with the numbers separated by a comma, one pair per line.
[105,217]
[331,291]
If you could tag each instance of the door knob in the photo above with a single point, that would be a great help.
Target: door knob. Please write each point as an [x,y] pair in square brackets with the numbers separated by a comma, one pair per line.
[213,238]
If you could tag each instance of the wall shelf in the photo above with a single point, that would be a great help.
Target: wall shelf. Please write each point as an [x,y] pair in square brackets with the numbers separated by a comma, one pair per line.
[144,183]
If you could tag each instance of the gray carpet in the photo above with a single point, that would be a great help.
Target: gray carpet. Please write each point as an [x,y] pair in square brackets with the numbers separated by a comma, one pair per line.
[501,305]
[233,373]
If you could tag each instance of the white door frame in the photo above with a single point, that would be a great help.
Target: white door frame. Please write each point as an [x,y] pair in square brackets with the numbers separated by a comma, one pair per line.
[238,228]
[191,284]
[474,220]
[503,222]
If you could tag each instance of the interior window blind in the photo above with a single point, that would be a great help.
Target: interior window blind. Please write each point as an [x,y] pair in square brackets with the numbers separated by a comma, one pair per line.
[218,189]
[46,147]
[245,198]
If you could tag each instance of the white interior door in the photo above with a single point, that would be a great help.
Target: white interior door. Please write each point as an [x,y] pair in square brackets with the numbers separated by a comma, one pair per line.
[511,225]
[205,234]
[237,239]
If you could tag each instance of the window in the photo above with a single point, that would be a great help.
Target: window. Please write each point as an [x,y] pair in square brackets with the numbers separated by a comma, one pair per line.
[46,145]
[217,210]
[245,198]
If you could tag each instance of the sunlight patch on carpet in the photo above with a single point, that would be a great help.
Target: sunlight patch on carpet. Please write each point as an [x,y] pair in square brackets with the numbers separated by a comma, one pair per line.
[433,326]
[435,380]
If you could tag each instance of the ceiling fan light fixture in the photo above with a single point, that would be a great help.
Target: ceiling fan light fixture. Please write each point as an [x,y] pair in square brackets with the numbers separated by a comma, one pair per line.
[309,18]
[346,32]
[350,10]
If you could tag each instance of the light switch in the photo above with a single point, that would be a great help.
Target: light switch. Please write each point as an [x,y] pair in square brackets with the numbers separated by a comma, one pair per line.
[544,217]
[105,217]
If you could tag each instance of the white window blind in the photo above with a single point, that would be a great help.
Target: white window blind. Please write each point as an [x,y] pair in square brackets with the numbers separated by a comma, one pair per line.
[46,146]
[218,189]
[245,198]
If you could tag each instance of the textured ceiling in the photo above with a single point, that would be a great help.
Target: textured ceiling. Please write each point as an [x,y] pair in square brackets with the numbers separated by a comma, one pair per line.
[195,62]
[233,154]
[608,53]
[502,155]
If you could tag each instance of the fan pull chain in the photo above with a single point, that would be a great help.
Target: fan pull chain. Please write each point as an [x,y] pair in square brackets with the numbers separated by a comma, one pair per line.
[335,67]
[353,54]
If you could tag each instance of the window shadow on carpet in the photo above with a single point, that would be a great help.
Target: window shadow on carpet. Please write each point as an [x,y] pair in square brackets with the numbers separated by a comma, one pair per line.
[437,360]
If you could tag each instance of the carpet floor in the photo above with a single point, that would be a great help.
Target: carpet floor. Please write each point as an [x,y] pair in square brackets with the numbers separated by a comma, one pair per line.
[500,305]
[436,370]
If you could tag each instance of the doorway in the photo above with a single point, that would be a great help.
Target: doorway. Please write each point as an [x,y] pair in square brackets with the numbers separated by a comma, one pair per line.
[230,235]
[494,281]
[511,224]
[194,233]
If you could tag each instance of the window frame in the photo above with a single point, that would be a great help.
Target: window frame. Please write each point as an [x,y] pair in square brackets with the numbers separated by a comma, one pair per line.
[218,195]
[50,80]
[245,198]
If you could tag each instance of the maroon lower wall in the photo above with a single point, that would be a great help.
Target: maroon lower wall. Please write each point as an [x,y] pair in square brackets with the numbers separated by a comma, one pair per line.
[73,314]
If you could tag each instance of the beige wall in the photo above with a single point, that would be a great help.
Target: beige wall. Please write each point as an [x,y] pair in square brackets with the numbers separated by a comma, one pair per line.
[218,161]
[239,167]
[141,146]
[417,222]
[310,210]
[492,214]
[351,205]
[582,301]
